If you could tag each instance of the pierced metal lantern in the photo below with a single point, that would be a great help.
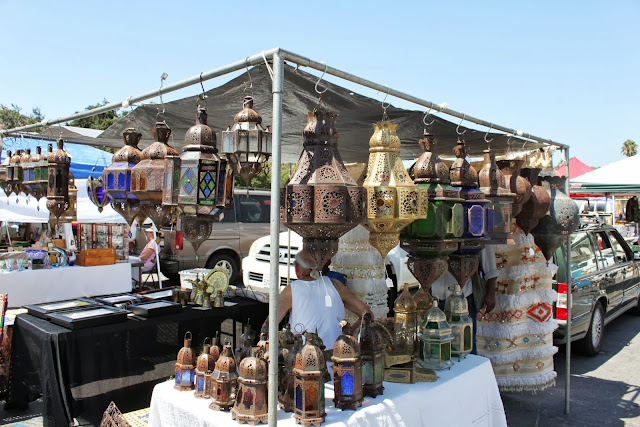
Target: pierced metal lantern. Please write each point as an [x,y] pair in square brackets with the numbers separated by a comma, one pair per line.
[372,352]
[404,324]
[251,403]
[214,352]
[309,385]
[498,211]
[246,144]
[321,201]
[58,174]
[392,199]
[5,184]
[205,363]
[185,365]
[36,177]
[224,381]
[286,382]
[538,204]
[423,304]
[15,173]
[71,214]
[457,311]
[247,340]
[147,176]
[263,344]
[435,339]
[97,193]
[347,371]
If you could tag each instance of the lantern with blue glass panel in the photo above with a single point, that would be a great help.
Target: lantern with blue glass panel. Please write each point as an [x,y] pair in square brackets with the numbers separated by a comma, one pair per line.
[347,371]
[204,364]
[308,380]
[97,195]
[498,211]
[185,364]
[224,381]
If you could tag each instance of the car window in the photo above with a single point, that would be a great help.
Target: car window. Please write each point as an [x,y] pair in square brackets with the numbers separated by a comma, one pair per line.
[253,209]
[605,253]
[583,260]
[618,248]
[230,214]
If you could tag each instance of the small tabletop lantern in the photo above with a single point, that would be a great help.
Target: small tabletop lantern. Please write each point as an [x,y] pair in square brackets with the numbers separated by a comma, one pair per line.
[435,338]
[263,343]
[285,395]
[423,304]
[185,374]
[224,381]
[214,352]
[457,312]
[405,326]
[204,364]
[347,371]
[251,403]
[58,190]
[372,352]
[309,385]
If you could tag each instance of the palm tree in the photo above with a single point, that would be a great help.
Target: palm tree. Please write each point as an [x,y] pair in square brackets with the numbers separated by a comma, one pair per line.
[629,148]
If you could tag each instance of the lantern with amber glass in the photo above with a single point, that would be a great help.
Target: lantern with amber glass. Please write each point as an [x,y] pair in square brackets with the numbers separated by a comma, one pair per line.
[309,385]
[321,201]
[498,211]
[204,364]
[58,189]
[251,403]
[347,371]
[224,381]
[405,326]
[185,364]
[286,383]
[457,311]
[36,175]
[435,339]
[372,353]
[246,144]
[71,213]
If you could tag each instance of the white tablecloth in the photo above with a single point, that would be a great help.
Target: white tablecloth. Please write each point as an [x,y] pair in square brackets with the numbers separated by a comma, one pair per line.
[56,284]
[466,395]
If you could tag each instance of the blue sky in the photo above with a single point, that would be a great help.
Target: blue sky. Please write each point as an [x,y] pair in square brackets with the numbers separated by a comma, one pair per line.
[564,70]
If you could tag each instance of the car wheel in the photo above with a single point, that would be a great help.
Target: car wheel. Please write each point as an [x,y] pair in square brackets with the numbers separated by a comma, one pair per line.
[636,310]
[227,261]
[591,344]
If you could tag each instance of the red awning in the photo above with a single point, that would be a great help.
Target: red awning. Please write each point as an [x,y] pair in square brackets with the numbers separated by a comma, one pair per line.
[576,168]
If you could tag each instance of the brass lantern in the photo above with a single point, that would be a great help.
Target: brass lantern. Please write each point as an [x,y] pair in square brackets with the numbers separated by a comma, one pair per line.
[251,403]
[147,176]
[347,371]
[5,184]
[286,383]
[321,201]
[97,193]
[224,381]
[15,172]
[309,385]
[205,363]
[392,199]
[498,211]
[246,144]
[457,311]
[405,327]
[36,175]
[435,339]
[71,214]
[372,352]
[423,304]
[25,164]
[185,364]
[58,189]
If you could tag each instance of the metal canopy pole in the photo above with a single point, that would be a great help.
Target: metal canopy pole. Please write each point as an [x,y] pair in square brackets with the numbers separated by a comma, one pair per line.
[274,226]
[567,268]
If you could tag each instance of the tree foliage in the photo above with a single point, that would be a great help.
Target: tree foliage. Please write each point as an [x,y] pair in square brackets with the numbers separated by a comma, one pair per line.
[629,148]
[12,117]
[99,121]
[263,180]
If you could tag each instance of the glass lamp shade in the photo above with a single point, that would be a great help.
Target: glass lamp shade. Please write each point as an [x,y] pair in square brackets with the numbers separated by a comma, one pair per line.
[321,201]
[457,311]
[246,144]
[251,403]
[204,364]
[96,192]
[498,211]
[309,407]
[372,352]
[185,364]
[58,188]
[392,199]
[435,340]
[347,372]
[286,383]
[224,381]
[36,175]
[71,213]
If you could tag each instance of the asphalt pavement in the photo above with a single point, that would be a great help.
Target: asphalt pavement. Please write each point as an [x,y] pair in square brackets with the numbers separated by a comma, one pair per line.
[605,390]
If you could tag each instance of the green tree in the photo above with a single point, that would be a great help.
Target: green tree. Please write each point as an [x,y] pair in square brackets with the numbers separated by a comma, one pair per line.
[263,180]
[99,121]
[12,117]
[629,148]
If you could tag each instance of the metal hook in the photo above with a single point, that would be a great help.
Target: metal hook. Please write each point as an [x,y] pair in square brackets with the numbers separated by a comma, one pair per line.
[487,134]
[384,107]
[424,119]
[458,127]
[246,65]
[319,80]
[163,77]
[202,96]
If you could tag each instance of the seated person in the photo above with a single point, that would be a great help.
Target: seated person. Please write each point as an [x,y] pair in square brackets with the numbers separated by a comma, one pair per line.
[148,254]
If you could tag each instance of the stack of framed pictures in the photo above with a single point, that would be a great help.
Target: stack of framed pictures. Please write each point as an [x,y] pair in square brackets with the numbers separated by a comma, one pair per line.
[78,313]
[154,308]
[118,300]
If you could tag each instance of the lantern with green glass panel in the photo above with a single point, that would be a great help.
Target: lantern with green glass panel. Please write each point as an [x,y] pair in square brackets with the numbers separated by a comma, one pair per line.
[435,339]
[457,311]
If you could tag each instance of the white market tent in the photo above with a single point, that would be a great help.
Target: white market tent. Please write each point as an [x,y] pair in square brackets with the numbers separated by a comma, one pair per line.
[619,177]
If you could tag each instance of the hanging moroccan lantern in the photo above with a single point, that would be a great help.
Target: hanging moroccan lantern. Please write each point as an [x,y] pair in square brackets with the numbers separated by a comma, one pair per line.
[309,385]
[392,200]
[15,173]
[538,204]
[25,164]
[515,183]
[147,176]
[71,213]
[286,382]
[456,310]
[498,210]
[251,404]
[347,371]
[321,201]
[435,339]
[372,352]
[5,184]
[246,144]
[58,174]
[185,365]
[34,179]
[224,381]
[405,327]
[204,364]
[97,193]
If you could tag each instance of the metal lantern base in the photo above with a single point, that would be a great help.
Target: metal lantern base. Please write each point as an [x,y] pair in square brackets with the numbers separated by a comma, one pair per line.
[249,419]
[342,404]
[221,407]
[310,421]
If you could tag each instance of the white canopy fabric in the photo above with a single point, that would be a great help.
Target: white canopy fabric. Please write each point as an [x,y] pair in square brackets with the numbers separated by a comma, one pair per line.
[621,177]
[28,212]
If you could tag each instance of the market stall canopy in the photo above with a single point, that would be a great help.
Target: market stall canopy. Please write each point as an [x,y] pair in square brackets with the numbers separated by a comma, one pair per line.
[619,177]
[356,115]
[576,168]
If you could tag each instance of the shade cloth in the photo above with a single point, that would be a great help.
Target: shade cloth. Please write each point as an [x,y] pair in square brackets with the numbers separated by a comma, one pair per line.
[465,395]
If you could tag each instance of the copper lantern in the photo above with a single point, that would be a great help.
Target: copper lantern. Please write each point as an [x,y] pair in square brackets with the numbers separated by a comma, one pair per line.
[204,364]
[286,382]
[321,201]
[435,340]
[498,211]
[185,365]
[224,381]
[251,403]
[309,385]
[214,352]
[457,312]
[71,213]
[347,371]
[246,144]
[372,352]
[58,189]
[15,172]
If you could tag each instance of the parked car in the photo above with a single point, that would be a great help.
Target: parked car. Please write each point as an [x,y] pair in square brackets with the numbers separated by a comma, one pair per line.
[229,242]
[605,282]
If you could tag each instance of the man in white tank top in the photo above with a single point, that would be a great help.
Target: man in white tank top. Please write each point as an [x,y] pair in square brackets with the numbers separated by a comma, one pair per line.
[318,302]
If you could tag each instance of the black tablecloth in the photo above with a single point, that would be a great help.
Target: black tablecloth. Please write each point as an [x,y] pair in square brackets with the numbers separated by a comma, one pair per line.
[79,372]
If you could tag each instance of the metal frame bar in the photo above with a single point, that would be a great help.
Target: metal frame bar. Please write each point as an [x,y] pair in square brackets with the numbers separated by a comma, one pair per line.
[567,267]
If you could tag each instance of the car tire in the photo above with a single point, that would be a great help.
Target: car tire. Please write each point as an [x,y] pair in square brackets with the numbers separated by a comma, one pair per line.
[591,344]
[227,261]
